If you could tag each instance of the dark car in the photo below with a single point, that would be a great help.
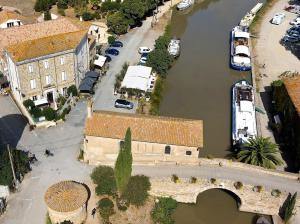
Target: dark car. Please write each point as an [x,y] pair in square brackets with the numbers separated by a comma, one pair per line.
[112,51]
[119,103]
[117,44]
[108,58]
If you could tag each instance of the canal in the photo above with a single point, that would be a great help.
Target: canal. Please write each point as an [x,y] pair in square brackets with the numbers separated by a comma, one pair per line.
[199,86]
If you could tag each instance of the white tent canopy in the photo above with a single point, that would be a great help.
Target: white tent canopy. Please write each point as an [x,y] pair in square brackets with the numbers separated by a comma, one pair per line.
[241,60]
[241,49]
[240,34]
[100,61]
[137,77]
[41,101]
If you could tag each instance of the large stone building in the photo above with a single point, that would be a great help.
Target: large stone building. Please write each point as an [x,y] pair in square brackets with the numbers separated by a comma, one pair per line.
[154,139]
[67,201]
[42,60]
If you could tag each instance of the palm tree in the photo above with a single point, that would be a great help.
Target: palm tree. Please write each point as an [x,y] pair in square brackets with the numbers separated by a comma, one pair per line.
[260,152]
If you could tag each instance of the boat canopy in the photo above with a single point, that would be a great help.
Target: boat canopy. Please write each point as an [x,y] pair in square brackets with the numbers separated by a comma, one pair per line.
[246,106]
[241,49]
[241,34]
[241,60]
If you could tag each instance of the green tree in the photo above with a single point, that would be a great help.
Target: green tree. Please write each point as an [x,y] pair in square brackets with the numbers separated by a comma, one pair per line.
[95,2]
[134,10]
[49,113]
[86,16]
[72,90]
[160,60]
[117,23]
[36,112]
[28,103]
[104,178]
[137,189]
[110,6]
[47,15]
[260,152]
[123,165]
[287,209]
[42,5]
[106,209]
[62,4]
[111,39]
[162,212]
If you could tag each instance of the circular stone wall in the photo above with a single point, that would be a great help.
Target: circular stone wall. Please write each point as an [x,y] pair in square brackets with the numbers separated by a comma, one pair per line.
[67,200]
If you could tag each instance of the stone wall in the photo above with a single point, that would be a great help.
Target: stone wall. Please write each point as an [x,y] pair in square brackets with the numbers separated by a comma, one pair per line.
[100,150]
[249,200]
[77,217]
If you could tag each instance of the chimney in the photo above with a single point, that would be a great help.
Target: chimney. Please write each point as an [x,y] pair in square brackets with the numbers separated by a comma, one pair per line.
[89,108]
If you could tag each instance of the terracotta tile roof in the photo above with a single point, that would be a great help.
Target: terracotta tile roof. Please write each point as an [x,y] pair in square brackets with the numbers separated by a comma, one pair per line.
[292,86]
[7,15]
[66,196]
[15,35]
[164,130]
[45,46]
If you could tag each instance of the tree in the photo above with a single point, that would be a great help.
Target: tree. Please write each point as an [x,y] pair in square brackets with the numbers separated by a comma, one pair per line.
[111,39]
[95,2]
[137,190]
[110,6]
[134,10]
[287,209]
[86,16]
[42,5]
[36,112]
[117,23]
[104,178]
[162,212]
[106,209]
[160,60]
[28,103]
[123,165]
[47,15]
[72,90]
[260,152]
[49,113]
[62,4]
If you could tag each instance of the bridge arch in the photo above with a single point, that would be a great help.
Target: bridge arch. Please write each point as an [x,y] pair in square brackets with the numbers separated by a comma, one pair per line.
[231,191]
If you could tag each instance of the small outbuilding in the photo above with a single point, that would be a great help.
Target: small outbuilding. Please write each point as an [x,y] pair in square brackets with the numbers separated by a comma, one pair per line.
[67,200]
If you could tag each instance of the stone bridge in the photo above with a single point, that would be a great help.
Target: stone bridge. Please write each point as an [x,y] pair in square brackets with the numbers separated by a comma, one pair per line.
[263,191]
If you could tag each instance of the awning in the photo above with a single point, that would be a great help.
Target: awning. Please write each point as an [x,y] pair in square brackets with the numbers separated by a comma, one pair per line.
[41,101]
[240,34]
[241,49]
[100,61]
[87,84]
[92,74]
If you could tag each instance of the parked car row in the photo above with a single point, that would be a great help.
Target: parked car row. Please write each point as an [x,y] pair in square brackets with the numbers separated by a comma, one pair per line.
[112,49]
[293,33]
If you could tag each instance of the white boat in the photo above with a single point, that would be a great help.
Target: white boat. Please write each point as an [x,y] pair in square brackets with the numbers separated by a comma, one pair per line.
[174,47]
[240,53]
[249,17]
[184,4]
[243,113]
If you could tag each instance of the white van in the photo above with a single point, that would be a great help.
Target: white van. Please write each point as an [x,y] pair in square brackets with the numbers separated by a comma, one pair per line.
[278,18]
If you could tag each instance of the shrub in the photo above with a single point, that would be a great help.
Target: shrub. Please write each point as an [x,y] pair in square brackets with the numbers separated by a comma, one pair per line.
[47,15]
[62,4]
[72,90]
[258,188]
[111,39]
[193,180]
[86,16]
[117,23]
[175,178]
[137,190]
[28,103]
[36,112]
[162,212]
[209,156]
[103,177]
[238,185]
[61,12]
[67,110]
[213,180]
[49,114]
[106,209]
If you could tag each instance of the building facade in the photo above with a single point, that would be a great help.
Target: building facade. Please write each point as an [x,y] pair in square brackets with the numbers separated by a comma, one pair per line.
[44,68]
[154,139]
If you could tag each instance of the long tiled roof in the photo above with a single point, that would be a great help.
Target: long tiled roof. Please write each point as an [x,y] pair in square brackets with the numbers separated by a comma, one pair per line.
[292,86]
[45,45]
[7,15]
[15,35]
[155,129]
[66,196]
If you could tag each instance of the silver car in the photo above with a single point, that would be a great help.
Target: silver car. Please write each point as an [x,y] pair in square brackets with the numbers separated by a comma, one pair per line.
[119,103]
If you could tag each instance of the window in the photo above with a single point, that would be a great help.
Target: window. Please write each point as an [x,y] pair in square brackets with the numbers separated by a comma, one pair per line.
[121,144]
[34,98]
[46,64]
[62,60]
[63,76]
[168,150]
[30,68]
[11,24]
[32,84]
[64,91]
[48,79]
[188,153]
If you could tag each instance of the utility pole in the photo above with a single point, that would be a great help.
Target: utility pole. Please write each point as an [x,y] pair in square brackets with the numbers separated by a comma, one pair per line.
[16,182]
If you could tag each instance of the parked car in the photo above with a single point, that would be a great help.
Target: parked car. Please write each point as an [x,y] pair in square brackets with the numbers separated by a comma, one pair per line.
[119,103]
[295,22]
[108,58]
[291,39]
[117,44]
[112,51]
[144,58]
[143,50]
[278,18]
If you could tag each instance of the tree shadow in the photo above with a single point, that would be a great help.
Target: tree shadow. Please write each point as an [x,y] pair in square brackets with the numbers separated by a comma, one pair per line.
[11,130]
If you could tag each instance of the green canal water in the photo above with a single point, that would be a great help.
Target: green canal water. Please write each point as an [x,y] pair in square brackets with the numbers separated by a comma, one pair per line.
[199,86]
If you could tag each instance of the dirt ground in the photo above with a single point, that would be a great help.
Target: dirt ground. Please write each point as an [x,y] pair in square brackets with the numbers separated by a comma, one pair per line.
[25,6]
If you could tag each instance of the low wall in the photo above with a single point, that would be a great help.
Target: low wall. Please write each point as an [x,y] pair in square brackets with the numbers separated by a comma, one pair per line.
[4,191]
